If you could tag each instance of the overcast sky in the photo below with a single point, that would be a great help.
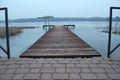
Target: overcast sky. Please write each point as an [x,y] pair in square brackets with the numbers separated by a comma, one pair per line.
[58,8]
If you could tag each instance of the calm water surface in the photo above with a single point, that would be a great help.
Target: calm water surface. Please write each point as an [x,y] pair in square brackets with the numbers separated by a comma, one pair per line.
[85,30]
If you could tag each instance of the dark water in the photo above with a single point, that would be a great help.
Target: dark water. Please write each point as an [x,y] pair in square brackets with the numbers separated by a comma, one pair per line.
[85,30]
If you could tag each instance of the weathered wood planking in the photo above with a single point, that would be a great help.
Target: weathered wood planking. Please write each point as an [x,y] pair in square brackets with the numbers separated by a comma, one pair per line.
[60,42]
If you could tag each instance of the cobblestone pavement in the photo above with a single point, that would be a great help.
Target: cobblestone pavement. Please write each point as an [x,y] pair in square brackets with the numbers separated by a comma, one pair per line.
[59,69]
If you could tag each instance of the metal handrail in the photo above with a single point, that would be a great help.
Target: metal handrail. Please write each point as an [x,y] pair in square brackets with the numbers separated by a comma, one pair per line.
[109,35]
[7,33]
[114,48]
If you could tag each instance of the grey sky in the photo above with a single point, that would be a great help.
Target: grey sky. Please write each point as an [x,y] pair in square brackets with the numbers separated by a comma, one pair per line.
[58,8]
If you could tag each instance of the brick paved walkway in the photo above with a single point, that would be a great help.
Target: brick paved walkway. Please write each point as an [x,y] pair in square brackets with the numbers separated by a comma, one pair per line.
[60,69]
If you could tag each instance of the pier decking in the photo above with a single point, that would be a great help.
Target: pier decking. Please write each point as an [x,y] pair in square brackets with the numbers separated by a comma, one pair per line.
[60,42]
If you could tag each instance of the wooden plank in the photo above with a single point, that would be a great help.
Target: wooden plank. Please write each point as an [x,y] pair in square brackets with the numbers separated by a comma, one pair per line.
[60,42]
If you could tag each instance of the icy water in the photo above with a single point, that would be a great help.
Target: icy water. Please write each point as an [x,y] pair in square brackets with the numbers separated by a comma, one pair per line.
[84,29]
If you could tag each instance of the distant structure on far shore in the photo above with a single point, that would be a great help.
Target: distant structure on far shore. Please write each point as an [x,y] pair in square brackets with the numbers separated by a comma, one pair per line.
[47,19]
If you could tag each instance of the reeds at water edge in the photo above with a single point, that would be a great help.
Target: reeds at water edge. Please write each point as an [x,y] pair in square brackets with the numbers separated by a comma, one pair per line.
[115,29]
[13,30]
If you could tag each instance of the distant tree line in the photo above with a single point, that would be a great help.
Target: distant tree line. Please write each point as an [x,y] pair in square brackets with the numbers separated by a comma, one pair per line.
[40,19]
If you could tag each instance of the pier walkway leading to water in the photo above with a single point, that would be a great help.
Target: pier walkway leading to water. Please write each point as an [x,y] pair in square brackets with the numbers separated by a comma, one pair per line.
[60,42]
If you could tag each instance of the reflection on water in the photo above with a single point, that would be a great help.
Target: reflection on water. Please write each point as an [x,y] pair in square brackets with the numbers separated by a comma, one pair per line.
[85,30]
[21,42]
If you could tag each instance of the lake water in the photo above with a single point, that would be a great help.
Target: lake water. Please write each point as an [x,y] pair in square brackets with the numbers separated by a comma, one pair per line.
[84,29]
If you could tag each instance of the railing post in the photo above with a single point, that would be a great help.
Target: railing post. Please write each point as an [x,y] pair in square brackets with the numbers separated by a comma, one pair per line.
[7,32]
[109,35]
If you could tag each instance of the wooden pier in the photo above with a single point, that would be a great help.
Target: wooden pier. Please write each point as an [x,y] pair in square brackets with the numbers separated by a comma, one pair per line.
[60,42]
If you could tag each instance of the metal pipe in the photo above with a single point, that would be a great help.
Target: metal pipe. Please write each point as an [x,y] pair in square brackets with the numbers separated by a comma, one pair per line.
[3,50]
[115,48]
[7,32]
[109,35]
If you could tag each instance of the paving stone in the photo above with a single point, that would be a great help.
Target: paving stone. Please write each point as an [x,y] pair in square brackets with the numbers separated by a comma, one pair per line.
[22,62]
[9,62]
[103,61]
[24,66]
[114,76]
[70,65]
[55,62]
[3,66]
[1,63]
[43,61]
[74,76]
[23,59]
[95,61]
[60,76]
[6,76]
[10,70]
[13,66]
[32,76]
[32,61]
[47,70]
[110,70]
[47,65]
[49,59]
[18,76]
[25,70]
[35,70]
[102,76]
[73,70]
[105,65]
[62,61]
[98,70]
[77,69]
[2,71]
[35,65]
[116,61]
[72,61]
[115,66]
[107,62]
[85,61]
[46,76]
[92,65]
[117,70]
[60,70]
[86,70]
[58,65]
[88,76]
[81,65]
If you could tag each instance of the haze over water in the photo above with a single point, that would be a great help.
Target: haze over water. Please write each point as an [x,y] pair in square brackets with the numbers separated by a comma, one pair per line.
[58,8]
